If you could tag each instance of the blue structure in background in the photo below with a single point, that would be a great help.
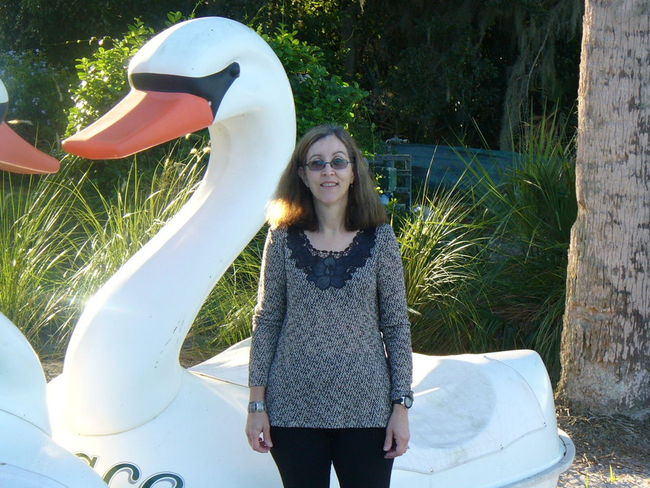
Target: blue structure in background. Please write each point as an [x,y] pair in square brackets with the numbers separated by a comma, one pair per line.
[404,168]
[448,163]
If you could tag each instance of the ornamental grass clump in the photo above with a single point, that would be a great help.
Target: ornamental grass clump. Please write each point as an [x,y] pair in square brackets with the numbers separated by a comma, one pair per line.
[531,212]
[440,247]
[38,241]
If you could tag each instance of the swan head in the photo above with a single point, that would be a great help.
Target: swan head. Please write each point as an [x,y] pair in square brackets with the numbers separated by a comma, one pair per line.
[16,155]
[200,73]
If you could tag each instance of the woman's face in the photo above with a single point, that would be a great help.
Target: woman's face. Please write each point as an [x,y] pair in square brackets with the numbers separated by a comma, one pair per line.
[329,186]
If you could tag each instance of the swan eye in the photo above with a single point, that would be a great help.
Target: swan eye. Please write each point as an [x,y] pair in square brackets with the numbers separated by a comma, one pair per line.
[211,87]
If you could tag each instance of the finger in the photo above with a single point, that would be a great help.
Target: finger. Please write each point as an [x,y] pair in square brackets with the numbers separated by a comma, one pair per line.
[260,445]
[402,445]
[388,441]
[400,450]
[392,454]
[266,432]
[251,438]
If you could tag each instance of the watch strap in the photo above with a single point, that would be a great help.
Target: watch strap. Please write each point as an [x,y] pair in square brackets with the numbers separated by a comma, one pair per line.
[405,400]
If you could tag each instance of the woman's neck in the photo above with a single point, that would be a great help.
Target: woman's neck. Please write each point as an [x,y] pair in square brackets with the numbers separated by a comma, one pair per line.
[331,219]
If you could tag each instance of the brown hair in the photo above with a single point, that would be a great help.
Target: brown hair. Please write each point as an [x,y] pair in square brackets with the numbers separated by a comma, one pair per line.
[293,202]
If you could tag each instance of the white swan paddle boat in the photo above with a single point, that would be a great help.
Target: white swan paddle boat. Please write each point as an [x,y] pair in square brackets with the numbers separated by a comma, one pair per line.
[123,400]
[29,458]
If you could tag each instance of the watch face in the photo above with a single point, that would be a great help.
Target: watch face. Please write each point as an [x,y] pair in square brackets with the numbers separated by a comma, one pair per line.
[408,401]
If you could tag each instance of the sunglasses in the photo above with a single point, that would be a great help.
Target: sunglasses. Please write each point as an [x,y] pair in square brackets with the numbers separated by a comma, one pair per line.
[319,164]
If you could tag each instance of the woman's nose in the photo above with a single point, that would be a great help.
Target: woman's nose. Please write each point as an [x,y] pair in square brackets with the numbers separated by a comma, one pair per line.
[327,169]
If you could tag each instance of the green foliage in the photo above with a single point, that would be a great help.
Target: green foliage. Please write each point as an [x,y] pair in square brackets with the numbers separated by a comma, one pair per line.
[36,96]
[319,96]
[443,93]
[103,76]
[430,68]
[50,25]
[433,67]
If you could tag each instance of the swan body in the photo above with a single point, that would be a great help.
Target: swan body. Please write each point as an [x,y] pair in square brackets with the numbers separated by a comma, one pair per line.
[29,458]
[479,421]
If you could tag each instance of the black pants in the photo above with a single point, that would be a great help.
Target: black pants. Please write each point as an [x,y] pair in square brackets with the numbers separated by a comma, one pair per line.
[304,457]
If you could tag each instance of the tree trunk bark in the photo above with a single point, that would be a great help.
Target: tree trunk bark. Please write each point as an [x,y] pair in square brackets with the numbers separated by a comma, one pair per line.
[606,338]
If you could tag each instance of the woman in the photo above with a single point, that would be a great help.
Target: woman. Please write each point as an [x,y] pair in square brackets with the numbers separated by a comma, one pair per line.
[331,364]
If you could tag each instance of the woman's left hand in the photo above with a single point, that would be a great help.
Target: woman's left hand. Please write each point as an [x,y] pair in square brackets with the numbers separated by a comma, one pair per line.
[397,433]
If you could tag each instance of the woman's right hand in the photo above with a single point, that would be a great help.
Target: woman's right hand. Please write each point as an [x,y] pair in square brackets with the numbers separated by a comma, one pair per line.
[258,431]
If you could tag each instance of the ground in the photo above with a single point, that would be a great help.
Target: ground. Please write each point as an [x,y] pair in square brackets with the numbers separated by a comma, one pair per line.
[611,451]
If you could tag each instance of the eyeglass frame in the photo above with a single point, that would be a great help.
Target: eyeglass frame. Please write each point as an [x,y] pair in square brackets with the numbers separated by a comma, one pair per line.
[322,164]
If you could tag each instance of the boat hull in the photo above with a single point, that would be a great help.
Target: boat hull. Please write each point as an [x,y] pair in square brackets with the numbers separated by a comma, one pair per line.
[198,440]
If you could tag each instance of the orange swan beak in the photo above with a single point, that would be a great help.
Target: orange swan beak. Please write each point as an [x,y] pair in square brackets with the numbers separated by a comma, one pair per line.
[18,156]
[143,119]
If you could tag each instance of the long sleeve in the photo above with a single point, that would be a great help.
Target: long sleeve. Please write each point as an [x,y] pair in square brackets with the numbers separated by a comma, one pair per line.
[270,310]
[393,316]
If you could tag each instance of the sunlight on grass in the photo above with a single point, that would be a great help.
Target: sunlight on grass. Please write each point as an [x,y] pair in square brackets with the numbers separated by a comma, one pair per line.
[612,476]
[38,242]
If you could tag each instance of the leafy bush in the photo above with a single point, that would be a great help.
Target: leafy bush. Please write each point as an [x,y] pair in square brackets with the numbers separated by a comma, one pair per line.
[441,248]
[103,76]
[319,96]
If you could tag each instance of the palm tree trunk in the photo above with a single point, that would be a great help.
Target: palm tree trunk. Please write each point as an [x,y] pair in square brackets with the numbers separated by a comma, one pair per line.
[606,337]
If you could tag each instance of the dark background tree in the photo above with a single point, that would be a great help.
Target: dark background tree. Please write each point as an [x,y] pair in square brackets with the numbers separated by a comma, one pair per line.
[436,71]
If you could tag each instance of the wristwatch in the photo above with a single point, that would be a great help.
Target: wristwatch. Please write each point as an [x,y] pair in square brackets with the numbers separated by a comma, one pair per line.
[406,400]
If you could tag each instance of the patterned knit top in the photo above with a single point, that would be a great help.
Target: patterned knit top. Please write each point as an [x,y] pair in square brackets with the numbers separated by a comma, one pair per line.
[331,336]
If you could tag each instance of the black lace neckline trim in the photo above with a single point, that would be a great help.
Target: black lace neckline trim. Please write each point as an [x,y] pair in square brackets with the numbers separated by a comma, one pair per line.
[330,269]
[325,254]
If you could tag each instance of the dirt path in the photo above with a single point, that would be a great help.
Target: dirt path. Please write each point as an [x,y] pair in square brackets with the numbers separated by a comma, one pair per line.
[611,451]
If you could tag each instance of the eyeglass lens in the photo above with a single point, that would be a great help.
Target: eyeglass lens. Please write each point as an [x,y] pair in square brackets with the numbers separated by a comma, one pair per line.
[319,164]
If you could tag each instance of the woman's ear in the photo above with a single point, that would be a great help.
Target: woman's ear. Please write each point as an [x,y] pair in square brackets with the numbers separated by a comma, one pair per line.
[302,175]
